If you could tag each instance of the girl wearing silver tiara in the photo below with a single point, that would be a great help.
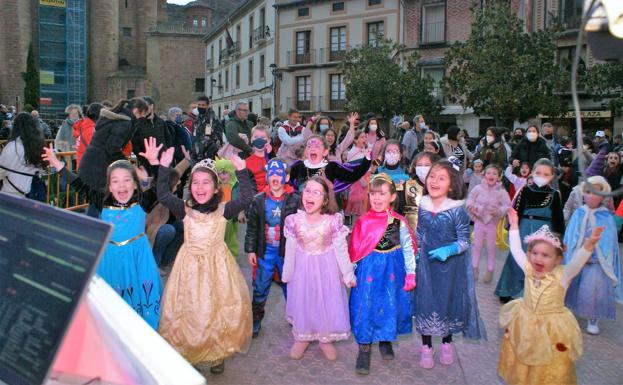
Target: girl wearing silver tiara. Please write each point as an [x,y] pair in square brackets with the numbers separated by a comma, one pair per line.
[542,339]
[206,307]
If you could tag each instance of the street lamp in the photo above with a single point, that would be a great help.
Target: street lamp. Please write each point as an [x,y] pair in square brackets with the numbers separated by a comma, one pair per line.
[277,76]
[212,85]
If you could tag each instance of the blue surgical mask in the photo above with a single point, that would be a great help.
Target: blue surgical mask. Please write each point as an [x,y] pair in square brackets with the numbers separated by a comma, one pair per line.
[422,125]
[178,119]
[323,127]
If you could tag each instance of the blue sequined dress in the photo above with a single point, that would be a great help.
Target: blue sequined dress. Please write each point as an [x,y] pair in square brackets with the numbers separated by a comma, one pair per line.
[445,295]
[128,264]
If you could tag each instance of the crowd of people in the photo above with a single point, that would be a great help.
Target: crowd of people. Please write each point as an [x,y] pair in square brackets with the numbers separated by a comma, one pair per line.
[368,234]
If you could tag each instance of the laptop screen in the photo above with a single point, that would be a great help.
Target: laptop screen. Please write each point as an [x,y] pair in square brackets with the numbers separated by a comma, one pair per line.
[47,258]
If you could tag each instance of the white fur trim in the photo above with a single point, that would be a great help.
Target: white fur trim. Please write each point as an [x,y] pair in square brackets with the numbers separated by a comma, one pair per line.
[427,204]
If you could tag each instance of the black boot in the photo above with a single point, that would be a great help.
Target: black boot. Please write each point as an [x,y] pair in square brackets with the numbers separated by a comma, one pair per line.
[218,368]
[387,352]
[363,359]
[506,299]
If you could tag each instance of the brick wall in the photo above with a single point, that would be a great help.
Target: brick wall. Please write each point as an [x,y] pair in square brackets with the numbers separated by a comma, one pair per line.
[16,31]
[103,46]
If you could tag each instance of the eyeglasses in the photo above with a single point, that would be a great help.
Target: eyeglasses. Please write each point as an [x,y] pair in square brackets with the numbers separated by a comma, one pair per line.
[241,110]
[314,193]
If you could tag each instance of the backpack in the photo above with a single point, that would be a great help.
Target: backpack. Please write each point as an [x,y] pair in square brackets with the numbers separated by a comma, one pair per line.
[37,185]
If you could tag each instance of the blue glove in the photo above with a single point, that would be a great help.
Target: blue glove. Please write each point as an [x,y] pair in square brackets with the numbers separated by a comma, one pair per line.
[442,253]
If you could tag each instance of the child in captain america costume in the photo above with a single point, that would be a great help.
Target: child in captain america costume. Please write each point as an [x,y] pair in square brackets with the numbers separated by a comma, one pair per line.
[264,241]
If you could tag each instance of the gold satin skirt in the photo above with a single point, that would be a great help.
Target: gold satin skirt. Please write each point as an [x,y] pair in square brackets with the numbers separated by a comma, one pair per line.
[206,308]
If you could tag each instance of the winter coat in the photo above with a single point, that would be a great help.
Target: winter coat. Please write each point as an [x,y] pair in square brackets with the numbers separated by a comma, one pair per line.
[494,153]
[83,131]
[233,129]
[64,141]
[207,136]
[255,238]
[527,151]
[145,128]
[486,204]
[112,132]
[181,137]
[447,149]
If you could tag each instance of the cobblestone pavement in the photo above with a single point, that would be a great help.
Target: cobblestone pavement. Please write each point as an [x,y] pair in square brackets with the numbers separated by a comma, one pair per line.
[268,362]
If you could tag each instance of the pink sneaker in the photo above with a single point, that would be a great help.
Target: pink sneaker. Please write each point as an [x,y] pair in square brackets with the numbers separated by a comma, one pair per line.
[426,357]
[447,355]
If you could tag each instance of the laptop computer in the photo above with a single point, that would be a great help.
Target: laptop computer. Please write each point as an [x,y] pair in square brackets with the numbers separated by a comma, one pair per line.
[47,259]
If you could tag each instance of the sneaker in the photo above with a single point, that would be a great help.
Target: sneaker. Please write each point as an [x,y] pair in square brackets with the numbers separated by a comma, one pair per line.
[447,354]
[328,350]
[475,270]
[426,357]
[592,327]
[298,349]
[257,325]
[488,276]
[363,360]
[387,351]
[218,368]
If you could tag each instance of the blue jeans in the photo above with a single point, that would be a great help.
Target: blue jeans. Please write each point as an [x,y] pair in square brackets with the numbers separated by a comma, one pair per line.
[169,238]
[263,279]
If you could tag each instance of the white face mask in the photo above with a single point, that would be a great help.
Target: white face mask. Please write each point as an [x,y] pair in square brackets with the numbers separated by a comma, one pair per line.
[422,172]
[372,127]
[490,139]
[540,181]
[391,158]
[531,136]
[195,111]
[422,125]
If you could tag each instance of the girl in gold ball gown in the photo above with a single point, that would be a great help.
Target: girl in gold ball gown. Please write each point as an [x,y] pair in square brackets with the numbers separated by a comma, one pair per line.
[542,339]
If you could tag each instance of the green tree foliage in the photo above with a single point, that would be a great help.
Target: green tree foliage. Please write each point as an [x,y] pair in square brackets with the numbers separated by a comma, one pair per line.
[502,72]
[375,82]
[31,80]
[605,81]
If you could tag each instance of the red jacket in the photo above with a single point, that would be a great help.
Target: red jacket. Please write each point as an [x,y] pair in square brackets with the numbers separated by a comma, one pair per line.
[83,131]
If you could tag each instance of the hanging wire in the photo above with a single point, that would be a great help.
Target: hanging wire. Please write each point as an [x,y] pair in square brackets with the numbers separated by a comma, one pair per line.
[576,104]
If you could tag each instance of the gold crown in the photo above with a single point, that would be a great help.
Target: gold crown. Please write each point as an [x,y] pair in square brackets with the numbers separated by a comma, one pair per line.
[210,164]
[383,176]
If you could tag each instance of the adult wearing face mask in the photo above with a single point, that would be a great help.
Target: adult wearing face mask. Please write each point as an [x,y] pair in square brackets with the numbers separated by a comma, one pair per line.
[492,149]
[547,131]
[64,140]
[518,135]
[207,133]
[376,137]
[452,146]
[410,142]
[531,148]
[175,129]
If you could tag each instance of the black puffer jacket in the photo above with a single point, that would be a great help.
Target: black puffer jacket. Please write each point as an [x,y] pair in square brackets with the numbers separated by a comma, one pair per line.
[255,238]
[146,128]
[207,136]
[112,132]
[527,151]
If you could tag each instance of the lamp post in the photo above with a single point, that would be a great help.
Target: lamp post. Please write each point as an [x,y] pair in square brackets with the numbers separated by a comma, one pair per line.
[277,75]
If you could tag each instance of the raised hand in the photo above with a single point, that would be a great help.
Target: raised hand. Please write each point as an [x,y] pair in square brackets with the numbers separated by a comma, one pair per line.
[151,150]
[352,118]
[50,157]
[590,242]
[186,153]
[167,157]
[513,219]
[239,164]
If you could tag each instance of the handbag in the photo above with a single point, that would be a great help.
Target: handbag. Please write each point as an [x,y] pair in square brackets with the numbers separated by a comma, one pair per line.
[501,235]
[37,185]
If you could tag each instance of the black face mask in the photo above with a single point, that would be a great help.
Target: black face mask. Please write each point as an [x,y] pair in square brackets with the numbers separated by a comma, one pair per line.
[259,143]
[548,136]
[202,110]
[518,137]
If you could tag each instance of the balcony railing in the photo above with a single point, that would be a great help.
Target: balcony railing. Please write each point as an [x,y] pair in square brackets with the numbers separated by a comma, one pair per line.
[303,58]
[226,54]
[261,34]
[329,55]
[178,28]
[210,64]
[337,104]
[312,104]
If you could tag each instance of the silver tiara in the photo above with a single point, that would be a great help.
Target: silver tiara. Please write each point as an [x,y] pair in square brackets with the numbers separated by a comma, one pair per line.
[544,234]
[210,164]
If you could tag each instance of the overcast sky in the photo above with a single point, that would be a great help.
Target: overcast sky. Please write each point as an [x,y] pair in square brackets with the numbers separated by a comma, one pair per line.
[179,1]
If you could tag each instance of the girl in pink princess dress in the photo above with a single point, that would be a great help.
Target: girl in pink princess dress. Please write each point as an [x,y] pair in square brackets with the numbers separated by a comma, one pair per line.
[317,270]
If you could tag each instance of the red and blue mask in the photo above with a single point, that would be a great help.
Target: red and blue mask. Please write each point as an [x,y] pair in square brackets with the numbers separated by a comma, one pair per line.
[276,167]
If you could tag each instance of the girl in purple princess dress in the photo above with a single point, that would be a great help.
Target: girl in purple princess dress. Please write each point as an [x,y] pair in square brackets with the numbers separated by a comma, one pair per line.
[317,269]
